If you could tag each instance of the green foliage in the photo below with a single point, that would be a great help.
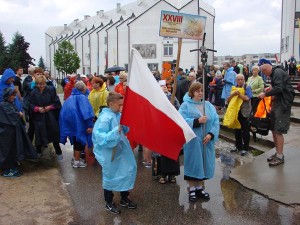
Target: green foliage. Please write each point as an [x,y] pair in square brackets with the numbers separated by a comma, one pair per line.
[3,57]
[41,63]
[17,54]
[66,59]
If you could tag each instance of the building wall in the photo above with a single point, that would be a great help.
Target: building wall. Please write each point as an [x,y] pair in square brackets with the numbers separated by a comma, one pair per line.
[122,41]
[142,30]
[289,34]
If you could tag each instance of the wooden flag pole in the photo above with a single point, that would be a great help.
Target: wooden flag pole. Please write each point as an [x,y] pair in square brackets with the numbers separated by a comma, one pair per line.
[176,70]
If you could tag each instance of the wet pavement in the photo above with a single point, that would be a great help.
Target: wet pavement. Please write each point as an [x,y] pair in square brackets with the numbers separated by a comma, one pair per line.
[57,194]
[230,202]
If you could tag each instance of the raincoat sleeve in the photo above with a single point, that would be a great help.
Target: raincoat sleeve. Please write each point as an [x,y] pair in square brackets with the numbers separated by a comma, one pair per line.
[125,129]
[214,128]
[183,110]
[103,136]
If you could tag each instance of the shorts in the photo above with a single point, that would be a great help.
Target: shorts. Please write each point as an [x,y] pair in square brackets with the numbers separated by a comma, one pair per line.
[280,119]
[77,145]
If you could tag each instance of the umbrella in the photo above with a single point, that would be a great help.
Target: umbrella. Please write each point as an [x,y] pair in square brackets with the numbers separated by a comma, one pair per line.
[114,69]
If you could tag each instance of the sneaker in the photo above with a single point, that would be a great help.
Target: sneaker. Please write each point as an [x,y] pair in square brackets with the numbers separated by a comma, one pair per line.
[79,164]
[82,160]
[148,164]
[234,150]
[244,152]
[112,208]
[271,158]
[128,203]
[11,173]
[59,157]
[276,161]
[17,171]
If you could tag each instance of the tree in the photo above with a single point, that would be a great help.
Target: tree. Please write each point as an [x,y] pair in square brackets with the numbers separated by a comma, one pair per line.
[17,52]
[41,63]
[66,60]
[3,54]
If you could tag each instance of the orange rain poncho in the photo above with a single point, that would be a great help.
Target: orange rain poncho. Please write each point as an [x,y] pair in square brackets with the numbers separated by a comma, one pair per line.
[261,111]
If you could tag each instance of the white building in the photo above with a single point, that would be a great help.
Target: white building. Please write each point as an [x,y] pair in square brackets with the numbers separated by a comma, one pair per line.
[290,33]
[246,59]
[105,39]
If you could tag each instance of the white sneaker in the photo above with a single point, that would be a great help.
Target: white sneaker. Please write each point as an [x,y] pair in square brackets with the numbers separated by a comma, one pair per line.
[79,164]
[81,160]
[59,157]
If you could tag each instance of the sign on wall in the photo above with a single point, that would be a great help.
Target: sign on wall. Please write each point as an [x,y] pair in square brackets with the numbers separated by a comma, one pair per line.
[297,15]
[181,25]
[147,51]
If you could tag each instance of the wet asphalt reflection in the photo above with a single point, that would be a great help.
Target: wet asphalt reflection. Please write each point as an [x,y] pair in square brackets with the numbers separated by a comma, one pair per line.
[168,203]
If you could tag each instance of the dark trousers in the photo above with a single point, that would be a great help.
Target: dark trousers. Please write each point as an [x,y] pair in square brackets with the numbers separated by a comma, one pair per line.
[55,145]
[30,131]
[108,195]
[242,136]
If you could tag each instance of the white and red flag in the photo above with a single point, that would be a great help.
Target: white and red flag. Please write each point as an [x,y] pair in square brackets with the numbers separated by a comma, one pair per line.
[153,120]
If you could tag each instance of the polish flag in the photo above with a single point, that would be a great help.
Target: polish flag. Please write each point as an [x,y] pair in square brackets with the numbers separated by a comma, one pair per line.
[153,120]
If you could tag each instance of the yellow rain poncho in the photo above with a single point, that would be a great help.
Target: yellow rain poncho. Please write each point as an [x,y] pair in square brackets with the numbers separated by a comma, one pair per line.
[231,116]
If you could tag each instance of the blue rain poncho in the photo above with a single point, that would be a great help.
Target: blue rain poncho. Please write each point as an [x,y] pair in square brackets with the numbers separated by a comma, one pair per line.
[229,81]
[75,117]
[118,174]
[8,73]
[194,165]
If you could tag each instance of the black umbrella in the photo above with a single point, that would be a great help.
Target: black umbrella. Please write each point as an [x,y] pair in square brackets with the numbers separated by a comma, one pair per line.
[114,69]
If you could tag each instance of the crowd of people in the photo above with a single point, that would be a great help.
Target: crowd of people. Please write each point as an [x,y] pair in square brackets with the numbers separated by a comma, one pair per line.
[90,119]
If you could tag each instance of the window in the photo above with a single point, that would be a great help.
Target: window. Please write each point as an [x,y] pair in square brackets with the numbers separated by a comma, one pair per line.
[153,66]
[89,43]
[287,44]
[105,40]
[168,49]
[282,45]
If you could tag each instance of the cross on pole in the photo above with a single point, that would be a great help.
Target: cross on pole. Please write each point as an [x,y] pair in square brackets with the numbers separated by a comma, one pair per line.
[204,57]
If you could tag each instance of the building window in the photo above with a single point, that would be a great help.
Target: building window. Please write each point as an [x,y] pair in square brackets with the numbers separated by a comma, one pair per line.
[168,49]
[287,44]
[89,43]
[153,66]
[282,45]
[105,40]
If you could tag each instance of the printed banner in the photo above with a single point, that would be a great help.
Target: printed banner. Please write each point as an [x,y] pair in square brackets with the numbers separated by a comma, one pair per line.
[181,25]
[297,15]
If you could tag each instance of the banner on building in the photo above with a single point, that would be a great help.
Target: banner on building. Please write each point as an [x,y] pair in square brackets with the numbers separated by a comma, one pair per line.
[181,25]
[297,16]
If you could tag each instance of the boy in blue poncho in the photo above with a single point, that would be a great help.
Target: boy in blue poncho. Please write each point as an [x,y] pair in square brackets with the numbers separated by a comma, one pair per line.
[114,154]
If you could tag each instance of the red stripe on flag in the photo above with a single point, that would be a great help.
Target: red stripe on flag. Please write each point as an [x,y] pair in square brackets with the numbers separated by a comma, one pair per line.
[151,127]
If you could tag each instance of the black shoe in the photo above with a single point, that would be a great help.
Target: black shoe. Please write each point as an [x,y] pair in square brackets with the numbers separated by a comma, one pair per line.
[244,152]
[112,208]
[200,193]
[128,203]
[234,150]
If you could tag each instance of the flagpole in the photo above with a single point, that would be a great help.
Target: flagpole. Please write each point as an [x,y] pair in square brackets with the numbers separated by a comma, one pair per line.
[176,70]
[128,79]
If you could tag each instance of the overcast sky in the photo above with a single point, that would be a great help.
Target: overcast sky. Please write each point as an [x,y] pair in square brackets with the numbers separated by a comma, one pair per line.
[242,26]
